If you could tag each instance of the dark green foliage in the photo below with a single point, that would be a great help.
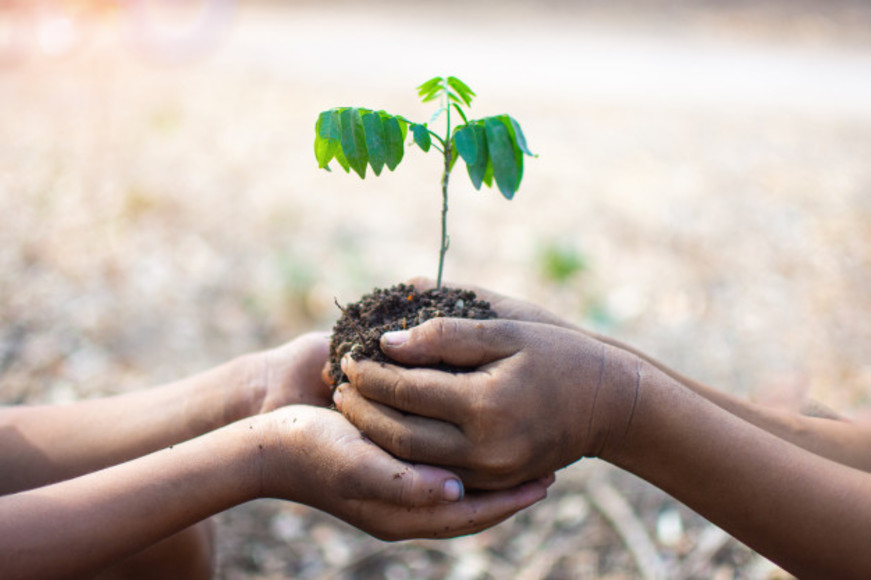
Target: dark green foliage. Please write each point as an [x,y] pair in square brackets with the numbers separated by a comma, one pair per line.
[373,129]
[421,137]
[359,137]
[492,147]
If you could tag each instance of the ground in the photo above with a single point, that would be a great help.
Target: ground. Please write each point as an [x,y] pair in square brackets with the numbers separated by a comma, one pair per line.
[702,191]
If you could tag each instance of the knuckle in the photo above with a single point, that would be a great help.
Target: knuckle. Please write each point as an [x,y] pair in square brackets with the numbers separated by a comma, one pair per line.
[504,330]
[499,464]
[438,328]
[401,444]
[502,462]
[399,397]
[406,493]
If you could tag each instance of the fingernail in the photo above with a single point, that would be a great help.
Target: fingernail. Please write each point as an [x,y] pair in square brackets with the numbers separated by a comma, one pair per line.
[394,338]
[337,398]
[453,490]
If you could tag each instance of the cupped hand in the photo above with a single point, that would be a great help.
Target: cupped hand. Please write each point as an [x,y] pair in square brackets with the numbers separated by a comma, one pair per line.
[291,374]
[315,456]
[537,398]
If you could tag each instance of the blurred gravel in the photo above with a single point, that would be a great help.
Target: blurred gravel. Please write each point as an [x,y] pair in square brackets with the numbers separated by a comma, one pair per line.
[707,163]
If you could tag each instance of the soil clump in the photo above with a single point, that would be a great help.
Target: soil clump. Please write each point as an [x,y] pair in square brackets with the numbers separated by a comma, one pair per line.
[359,329]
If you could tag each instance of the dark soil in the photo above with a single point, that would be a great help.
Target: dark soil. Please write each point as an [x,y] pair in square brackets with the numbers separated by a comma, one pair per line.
[362,323]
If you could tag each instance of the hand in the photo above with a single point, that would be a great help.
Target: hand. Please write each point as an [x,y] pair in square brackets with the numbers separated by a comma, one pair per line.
[287,375]
[315,456]
[538,398]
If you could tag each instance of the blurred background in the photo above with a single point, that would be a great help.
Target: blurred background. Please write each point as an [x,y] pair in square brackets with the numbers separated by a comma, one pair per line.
[702,191]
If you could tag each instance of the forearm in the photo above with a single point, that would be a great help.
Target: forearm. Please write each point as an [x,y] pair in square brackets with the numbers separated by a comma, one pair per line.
[79,526]
[46,444]
[840,441]
[809,514]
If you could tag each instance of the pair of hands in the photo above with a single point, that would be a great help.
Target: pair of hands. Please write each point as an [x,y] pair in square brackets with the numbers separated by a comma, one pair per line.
[540,395]
[313,455]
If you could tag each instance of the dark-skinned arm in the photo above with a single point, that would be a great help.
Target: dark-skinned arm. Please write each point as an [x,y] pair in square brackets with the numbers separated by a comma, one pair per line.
[542,397]
[840,440]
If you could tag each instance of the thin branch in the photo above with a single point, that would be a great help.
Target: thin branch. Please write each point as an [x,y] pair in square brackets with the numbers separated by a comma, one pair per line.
[617,510]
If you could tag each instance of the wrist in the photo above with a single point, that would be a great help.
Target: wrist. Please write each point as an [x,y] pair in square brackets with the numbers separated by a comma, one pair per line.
[616,402]
[252,445]
[244,386]
[277,442]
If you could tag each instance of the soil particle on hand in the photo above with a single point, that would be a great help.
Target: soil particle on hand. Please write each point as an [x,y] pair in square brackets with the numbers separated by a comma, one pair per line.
[401,307]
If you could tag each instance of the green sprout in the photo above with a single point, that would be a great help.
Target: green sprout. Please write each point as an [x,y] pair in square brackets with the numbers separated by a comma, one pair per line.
[492,147]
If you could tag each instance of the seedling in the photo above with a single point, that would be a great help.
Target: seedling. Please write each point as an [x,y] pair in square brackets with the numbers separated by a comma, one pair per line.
[492,147]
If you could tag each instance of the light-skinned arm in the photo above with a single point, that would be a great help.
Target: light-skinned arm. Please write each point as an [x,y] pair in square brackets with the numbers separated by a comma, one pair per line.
[43,444]
[300,453]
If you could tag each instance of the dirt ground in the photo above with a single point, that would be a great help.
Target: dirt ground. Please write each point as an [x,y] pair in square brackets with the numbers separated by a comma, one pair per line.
[704,167]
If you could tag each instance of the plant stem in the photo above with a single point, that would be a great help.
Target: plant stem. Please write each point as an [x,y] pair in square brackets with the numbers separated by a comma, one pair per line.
[446,175]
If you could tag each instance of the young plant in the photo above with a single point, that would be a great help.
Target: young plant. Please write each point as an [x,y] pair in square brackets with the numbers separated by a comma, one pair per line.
[492,147]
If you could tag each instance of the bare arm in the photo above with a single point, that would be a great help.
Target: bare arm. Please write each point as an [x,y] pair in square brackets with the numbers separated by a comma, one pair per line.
[541,397]
[45,444]
[807,513]
[842,441]
[299,453]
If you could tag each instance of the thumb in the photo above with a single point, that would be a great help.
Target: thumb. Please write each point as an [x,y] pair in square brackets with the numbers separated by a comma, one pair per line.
[454,341]
[407,485]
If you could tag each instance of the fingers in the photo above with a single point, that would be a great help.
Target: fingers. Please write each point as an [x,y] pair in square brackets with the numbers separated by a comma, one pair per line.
[477,512]
[313,349]
[426,392]
[385,478]
[325,375]
[410,437]
[453,341]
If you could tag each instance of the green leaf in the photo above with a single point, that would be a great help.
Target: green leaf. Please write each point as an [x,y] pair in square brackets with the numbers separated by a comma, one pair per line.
[465,144]
[453,98]
[488,173]
[421,136]
[436,115]
[375,141]
[462,89]
[432,85]
[459,110]
[518,154]
[519,138]
[326,137]
[500,146]
[340,157]
[430,91]
[394,140]
[325,150]
[327,126]
[431,97]
[403,124]
[478,168]
[354,140]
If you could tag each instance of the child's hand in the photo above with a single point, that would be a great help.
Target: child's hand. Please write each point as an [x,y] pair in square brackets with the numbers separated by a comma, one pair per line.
[315,456]
[292,373]
[286,375]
